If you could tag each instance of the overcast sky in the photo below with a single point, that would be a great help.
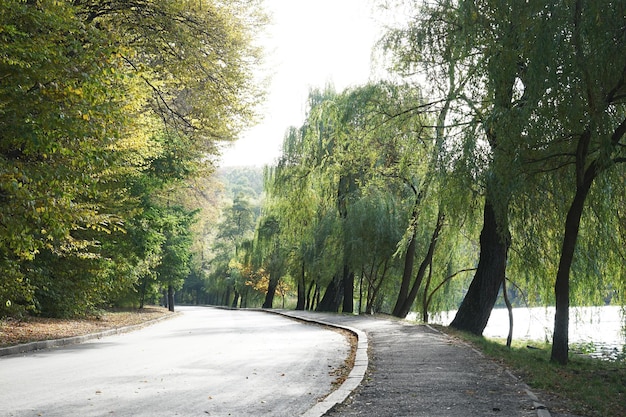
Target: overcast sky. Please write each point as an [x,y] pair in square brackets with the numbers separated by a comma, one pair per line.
[309,43]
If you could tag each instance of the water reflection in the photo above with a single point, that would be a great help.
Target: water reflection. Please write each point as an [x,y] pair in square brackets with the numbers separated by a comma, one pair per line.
[598,331]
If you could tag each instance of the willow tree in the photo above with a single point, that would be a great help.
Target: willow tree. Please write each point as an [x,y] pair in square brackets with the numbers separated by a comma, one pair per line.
[571,120]
[237,227]
[375,226]
[302,193]
[550,83]
[391,140]
[293,190]
[581,118]
[478,96]
[312,160]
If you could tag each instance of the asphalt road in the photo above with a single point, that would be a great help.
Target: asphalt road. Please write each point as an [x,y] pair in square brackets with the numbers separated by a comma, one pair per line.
[205,362]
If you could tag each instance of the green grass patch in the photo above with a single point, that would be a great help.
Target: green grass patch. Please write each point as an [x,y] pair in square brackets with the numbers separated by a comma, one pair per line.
[590,386]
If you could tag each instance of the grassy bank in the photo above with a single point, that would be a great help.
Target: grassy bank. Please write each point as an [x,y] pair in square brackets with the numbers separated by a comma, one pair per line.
[586,386]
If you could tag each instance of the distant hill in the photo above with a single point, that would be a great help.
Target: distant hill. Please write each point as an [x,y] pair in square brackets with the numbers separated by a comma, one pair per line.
[246,180]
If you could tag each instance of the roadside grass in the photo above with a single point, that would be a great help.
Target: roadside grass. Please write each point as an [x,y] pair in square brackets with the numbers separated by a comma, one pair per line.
[589,386]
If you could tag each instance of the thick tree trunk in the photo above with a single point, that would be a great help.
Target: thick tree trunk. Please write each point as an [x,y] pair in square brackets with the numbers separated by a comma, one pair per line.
[409,256]
[481,296]
[560,340]
[316,297]
[332,296]
[271,291]
[348,290]
[235,299]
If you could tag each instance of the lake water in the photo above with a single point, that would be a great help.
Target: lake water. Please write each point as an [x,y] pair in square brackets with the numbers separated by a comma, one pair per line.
[599,328]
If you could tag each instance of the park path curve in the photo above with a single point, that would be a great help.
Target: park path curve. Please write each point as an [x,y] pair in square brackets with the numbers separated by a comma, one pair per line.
[417,371]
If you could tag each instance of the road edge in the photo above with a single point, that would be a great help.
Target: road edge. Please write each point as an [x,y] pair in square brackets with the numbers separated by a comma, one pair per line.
[75,340]
[356,375]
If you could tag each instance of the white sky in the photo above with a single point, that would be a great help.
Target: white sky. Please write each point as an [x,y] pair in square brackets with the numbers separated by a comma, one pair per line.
[309,43]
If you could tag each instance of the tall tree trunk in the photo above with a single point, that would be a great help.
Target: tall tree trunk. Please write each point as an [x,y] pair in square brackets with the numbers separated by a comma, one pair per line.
[235,299]
[409,256]
[407,274]
[481,296]
[309,297]
[404,309]
[301,290]
[316,297]
[509,309]
[348,290]
[361,291]
[560,340]
[170,298]
[425,295]
[333,295]
[271,291]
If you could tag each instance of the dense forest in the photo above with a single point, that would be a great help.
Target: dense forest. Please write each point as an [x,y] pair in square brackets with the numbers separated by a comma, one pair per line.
[111,116]
[486,166]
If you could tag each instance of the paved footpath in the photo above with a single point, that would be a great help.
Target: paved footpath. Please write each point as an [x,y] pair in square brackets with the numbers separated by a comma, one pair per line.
[417,371]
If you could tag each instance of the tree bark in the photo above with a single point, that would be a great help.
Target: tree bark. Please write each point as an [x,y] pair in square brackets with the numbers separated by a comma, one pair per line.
[333,295]
[560,338]
[481,296]
[235,299]
[308,305]
[409,256]
[509,308]
[301,290]
[170,298]
[348,290]
[405,307]
[425,295]
[407,273]
[271,291]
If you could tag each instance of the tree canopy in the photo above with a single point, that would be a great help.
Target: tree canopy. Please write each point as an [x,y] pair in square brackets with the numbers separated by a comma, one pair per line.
[495,147]
[107,108]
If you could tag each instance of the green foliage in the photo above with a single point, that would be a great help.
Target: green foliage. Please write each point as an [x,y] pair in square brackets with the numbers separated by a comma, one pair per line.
[230,265]
[346,184]
[174,225]
[247,181]
[107,109]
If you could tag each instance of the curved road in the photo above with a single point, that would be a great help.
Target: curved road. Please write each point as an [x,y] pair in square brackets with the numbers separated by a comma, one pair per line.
[205,362]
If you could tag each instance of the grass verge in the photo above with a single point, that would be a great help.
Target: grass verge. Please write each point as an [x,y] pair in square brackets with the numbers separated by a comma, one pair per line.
[586,386]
